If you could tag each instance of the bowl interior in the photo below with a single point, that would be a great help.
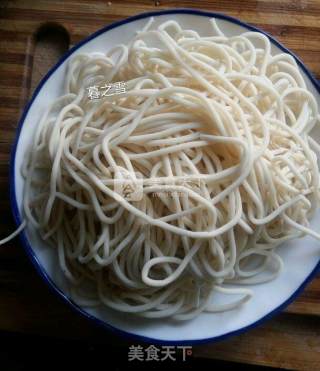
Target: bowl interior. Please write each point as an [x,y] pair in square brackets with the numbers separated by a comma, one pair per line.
[300,256]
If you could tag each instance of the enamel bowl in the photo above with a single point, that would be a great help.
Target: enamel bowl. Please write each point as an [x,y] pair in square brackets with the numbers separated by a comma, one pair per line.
[301,257]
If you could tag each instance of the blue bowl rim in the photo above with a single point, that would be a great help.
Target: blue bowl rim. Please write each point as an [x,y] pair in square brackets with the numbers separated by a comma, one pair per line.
[15,210]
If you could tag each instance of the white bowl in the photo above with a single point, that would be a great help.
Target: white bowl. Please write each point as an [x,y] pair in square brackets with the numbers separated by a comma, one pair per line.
[301,256]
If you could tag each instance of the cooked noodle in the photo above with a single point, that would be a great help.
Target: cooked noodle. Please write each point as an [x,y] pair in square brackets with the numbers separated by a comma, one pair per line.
[217,128]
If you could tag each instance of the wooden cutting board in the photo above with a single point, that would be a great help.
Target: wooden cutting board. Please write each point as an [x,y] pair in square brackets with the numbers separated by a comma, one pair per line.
[33,35]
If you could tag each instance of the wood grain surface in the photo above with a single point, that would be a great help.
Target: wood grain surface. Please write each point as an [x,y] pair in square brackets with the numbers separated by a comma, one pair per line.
[33,35]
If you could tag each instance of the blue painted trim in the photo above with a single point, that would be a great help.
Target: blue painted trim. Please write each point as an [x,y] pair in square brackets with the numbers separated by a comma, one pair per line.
[16,213]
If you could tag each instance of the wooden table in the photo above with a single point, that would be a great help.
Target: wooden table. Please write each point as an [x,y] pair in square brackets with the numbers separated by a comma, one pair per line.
[33,34]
